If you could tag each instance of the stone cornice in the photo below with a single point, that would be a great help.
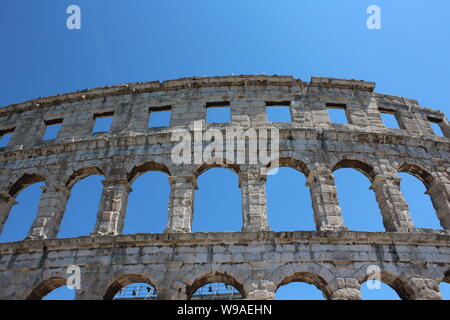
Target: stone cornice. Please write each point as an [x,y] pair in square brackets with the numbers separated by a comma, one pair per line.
[140,87]
[434,238]
[342,83]
[198,82]
[288,134]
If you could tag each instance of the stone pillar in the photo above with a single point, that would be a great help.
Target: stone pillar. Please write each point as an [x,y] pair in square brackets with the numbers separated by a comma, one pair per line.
[6,202]
[327,213]
[445,126]
[253,188]
[181,204]
[52,206]
[113,204]
[345,289]
[424,289]
[260,288]
[439,193]
[87,295]
[394,209]
[172,290]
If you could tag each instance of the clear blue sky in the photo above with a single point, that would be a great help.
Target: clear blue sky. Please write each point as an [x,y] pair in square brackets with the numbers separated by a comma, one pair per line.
[129,41]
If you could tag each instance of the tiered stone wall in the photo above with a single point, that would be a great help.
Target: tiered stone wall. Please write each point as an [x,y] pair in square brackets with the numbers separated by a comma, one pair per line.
[256,261]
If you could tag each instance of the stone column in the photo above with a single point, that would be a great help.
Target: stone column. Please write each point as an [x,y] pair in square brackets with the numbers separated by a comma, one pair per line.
[260,288]
[6,202]
[113,203]
[439,193]
[172,290]
[327,213]
[445,126]
[424,289]
[345,289]
[52,206]
[394,209]
[181,204]
[253,188]
[94,284]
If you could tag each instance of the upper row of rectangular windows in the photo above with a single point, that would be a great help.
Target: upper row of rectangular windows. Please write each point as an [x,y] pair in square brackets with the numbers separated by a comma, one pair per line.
[218,112]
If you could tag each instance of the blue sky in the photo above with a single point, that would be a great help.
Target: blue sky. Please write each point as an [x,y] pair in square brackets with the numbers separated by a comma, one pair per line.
[129,41]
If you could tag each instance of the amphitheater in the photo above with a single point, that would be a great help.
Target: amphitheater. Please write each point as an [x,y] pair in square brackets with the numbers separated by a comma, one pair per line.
[255,261]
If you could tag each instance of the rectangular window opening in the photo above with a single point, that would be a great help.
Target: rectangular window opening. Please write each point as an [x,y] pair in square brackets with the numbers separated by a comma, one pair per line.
[159,116]
[436,126]
[337,113]
[5,137]
[52,128]
[218,112]
[389,119]
[103,122]
[279,111]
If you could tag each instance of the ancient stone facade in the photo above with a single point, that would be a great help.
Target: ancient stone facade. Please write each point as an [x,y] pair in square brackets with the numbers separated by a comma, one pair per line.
[255,261]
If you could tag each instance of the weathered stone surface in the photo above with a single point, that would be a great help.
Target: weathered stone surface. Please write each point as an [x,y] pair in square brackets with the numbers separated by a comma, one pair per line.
[256,261]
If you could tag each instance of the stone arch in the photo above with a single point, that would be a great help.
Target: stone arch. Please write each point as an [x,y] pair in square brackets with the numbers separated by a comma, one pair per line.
[123,281]
[350,217]
[299,211]
[294,164]
[311,273]
[144,167]
[8,200]
[446,276]
[82,173]
[366,169]
[397,282]
[434,190]
[45,287]
[24,181]
[309,278]
[75,177]
[444,285]
[214,277]
[418,172]
[201,214]
[207,166]
[146,180]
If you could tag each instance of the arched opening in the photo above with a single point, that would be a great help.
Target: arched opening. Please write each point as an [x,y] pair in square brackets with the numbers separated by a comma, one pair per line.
[289,204]
[362,167]
[61,293]
[377,290]
[52,289]
[25,181]
[384,285]
[82,206]
[147,204]
[217,291]
[215,286]
[218,201]
[146,167]
[20,219]
[413,188]
[137,291]
[299,291]
[302,286]
[444,286]
[131,287]
[359,206]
